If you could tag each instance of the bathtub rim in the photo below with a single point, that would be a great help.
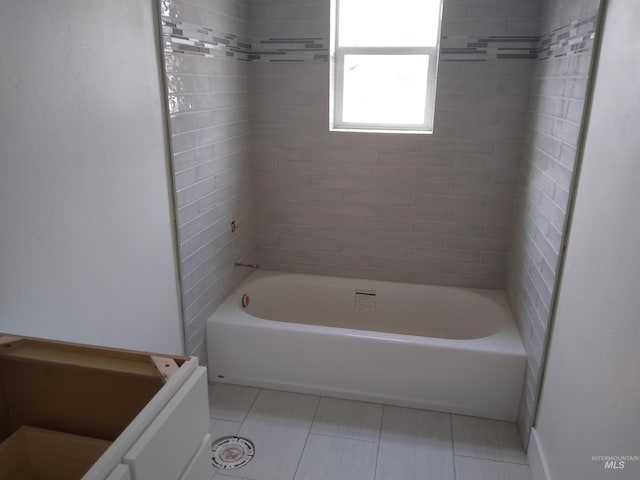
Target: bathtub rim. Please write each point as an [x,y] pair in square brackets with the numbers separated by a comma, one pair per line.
[505,341]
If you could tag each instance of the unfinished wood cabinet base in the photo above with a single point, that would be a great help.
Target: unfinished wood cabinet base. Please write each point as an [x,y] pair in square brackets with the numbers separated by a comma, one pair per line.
[38,454]
[77,410]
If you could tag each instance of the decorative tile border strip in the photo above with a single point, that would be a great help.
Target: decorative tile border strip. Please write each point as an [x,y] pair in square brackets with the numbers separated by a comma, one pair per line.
[186,38]
[485,48]
[180,37]
[575,37]
[302,49]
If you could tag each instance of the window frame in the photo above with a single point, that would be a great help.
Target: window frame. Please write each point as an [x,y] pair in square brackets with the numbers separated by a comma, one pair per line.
[337,80]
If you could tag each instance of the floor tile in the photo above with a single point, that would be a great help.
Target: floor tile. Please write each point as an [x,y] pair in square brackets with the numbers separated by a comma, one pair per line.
[278,425]
[348,419]
[478,469]
[488,439]
[415,444]
[334,458]
[222,428]
[230,402]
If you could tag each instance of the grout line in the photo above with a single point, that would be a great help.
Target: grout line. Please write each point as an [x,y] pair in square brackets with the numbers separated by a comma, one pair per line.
[315,414]
[216,126]
[224,419]
[217,142]
[182,113]
[375,471]
[343,438]
[251,407]
[453,446]
[493,460]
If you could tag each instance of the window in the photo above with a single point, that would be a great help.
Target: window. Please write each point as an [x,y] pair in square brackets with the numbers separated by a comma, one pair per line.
[384,63]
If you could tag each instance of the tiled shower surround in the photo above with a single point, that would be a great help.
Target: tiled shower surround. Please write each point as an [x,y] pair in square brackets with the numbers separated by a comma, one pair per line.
[417,208]
[209,120]
[546,177]
[479,203]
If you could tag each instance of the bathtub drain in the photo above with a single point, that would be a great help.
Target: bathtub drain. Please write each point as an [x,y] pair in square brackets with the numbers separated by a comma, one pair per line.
[231,452]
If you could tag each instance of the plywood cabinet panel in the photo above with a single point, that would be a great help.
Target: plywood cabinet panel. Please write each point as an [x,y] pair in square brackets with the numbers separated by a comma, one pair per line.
[34,453]
[74,400]
[106,414]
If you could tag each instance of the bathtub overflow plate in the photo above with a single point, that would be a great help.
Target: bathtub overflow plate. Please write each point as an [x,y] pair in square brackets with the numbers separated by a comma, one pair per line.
[231,452]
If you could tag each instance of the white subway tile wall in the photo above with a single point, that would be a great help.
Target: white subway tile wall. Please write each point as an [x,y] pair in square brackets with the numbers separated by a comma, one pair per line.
[209,120]
[429,209]
[546,177]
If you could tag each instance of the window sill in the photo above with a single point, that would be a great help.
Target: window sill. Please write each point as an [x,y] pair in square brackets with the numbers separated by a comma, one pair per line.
[371,130]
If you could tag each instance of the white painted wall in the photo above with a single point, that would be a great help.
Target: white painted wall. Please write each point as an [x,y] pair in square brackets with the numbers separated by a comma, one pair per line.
[86,247]
[591,394]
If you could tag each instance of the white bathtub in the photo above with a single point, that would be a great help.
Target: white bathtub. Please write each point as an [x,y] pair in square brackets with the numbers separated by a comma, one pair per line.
[439,348]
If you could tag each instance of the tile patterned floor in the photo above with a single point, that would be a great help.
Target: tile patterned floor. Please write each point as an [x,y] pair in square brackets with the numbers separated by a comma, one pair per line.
[305,437]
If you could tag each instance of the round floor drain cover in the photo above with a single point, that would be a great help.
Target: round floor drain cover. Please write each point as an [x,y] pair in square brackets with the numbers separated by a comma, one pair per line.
[231,452]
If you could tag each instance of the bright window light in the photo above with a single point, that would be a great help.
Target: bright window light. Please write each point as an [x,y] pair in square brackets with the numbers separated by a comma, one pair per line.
[402,78]
[384,62]
[381,23]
